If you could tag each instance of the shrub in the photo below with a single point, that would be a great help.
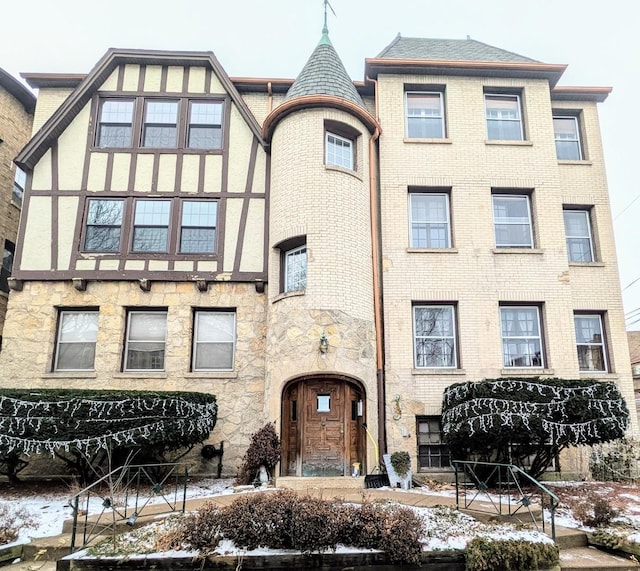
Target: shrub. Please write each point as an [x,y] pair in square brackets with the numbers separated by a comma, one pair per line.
[264,450]
[12,521]
[617,460]
[592,510]
[485,554]
[285,520]
[401,462]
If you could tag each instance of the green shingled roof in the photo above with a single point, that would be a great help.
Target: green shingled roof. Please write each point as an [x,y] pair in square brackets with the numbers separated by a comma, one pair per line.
[324,74]
[448,50]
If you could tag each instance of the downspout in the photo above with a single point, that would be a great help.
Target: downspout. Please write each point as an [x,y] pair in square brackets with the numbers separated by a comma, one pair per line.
[269,98]
[377,290]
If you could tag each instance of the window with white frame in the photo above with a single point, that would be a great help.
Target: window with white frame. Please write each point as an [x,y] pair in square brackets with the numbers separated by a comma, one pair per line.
[205,125]
[425,115]
[198,228]
[504,117]
[295,268]
[430,220]
[151,226]
[567,135]
[76,340]
[115,123]
[339,151]
[512,221]
[146,340]
[19,183]
[214,339]
[590,341]
[521,337]
[434,336]
[577,230]
[103,226]
[432,452]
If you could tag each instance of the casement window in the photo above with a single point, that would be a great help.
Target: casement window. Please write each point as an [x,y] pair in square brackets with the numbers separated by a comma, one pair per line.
[205,125]
[198,227]
[504,117]
[424,115]
[590,341]
[7,265]
[339,151]
[295,268]
[214,339]
[145,341]
[160,123]
[567,135]
[151,225]
[76,340]
[103,226]
[160,127]
[19,184]
[512,221]
[434,336]
[429,220]
[432,452]
[577,230]
[115,123]
[521,337]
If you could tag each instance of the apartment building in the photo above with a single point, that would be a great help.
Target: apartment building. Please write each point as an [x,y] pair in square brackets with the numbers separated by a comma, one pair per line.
[325,254]
[17,105]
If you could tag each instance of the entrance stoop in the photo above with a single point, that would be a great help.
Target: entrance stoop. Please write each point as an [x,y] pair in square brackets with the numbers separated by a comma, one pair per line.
[315,484]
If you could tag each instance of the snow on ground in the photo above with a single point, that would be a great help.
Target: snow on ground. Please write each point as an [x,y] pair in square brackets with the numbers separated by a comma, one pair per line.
[446,528]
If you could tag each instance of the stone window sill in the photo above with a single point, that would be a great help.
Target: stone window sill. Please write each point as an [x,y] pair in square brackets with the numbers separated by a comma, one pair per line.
[437,371]
[584,163]
[288,294]
[537,251]
[443,141]
[432,250]
[509,143]
[350,172]
[211,375]
[70,375]
[587,264]
[517,372]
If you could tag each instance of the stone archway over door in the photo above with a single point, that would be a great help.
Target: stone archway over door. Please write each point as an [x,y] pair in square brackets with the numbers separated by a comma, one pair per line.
[322,432]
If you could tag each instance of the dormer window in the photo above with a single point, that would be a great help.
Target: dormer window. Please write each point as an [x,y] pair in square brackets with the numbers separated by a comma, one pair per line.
[189,124]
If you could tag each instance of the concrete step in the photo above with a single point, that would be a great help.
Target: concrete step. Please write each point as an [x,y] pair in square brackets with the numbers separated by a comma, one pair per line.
[312,484]
[568,538]
[590,558]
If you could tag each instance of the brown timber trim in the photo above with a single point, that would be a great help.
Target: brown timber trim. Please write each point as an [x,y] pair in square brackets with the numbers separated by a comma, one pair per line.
[245,206]
[156,171]
[26,202]
[109,176]
[120,84]
[267,192]
[142,75]
[78,233]
[185,78]
[163,79]
[225,145]
[177,184]
[55,186]
[202,164]
[207,80]
[132,275]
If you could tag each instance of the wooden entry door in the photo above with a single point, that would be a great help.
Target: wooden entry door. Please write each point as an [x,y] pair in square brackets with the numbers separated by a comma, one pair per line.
[321,428]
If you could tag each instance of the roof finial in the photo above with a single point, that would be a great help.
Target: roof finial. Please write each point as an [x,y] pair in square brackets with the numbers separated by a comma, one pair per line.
[325,29]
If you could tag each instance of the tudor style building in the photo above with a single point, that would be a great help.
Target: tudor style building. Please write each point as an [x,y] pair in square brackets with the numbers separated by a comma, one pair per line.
[17,104]
[324,254]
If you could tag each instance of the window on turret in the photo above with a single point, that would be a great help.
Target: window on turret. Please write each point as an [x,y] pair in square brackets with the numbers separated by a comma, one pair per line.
[293,264]
[339,151]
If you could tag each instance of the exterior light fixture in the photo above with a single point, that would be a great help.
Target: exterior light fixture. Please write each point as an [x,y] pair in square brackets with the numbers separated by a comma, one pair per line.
[324,343]
[132,519]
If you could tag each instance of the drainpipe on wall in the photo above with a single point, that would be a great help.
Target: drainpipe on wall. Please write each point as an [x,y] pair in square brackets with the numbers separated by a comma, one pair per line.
[377,289]
[269,98]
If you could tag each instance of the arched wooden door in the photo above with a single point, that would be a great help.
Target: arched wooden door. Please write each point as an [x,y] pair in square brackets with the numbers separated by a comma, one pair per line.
[322,431]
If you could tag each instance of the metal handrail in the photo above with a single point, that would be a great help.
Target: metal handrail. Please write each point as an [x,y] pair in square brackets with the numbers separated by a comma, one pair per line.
[124,494]
[508,478]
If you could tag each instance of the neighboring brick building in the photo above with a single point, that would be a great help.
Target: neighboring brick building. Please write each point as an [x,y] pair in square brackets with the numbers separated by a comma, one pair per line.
[17,104]
[322,254]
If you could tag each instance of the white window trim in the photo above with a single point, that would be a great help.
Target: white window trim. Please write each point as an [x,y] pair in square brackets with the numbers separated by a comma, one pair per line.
[576,140]
[349,145]
[518,119]
[428,222]
[60,323]
[602,344]
[287,255]
[513,197]
[196,342]
[126,349]
[453,336]
[589,236]
[539,337]
[440,116]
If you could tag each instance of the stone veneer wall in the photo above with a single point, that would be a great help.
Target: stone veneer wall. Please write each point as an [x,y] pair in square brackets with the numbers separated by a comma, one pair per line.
[30,337]
[15,129]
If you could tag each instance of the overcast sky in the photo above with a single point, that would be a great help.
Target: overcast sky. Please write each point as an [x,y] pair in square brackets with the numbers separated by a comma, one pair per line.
[259,38]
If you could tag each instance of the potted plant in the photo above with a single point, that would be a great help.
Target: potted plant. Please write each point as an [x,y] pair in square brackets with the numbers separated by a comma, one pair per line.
[401,462]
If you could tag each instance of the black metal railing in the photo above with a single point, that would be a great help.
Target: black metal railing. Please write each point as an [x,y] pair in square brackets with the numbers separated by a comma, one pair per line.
[125,495]
[508,488]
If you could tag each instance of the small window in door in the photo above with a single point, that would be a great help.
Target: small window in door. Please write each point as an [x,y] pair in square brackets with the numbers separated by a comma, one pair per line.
[324,403]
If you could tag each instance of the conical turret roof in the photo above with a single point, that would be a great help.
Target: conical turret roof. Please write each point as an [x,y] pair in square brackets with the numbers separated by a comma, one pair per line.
[324,74]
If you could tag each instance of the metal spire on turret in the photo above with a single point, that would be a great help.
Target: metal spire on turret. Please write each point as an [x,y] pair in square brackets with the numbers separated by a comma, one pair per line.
[324,72]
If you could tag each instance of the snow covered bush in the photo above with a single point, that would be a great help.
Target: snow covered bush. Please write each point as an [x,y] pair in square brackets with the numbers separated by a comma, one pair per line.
[487,554]
[12,521]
